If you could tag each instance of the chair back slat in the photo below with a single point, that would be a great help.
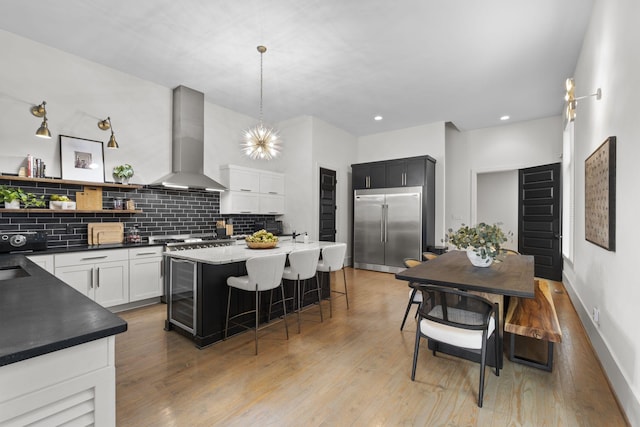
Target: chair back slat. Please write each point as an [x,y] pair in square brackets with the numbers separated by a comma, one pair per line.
[454,307]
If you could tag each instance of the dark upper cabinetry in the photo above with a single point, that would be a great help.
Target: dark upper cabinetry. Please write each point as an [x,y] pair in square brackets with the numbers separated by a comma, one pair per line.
[368,175]
[406,172]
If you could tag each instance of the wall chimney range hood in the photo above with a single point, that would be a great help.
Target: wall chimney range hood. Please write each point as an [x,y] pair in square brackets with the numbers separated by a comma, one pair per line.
[188,144]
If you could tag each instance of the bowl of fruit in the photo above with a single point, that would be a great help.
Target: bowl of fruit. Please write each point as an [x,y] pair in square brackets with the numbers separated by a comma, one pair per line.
[261,240]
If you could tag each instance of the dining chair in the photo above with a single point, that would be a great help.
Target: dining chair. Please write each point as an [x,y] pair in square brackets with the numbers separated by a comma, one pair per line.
[333,260]
[264,273]
[460,319]
[302,266]
[429,256]
[415,297]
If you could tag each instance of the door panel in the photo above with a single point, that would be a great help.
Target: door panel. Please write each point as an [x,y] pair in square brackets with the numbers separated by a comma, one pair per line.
[327,231]
[368,245]
[403,237]
[539,218]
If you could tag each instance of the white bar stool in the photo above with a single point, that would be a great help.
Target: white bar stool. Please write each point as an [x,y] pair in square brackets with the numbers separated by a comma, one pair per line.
[333,260]
[263,274]
[302,266]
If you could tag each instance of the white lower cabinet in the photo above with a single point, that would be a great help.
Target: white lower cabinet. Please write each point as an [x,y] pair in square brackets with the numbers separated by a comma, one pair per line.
[73,386]
[101,275]
[44,261]
[145,273]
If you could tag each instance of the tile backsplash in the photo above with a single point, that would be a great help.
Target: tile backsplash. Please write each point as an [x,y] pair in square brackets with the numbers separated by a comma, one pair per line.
[163,212]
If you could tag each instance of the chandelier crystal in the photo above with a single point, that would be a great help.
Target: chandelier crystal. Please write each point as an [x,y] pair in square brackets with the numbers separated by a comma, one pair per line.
[261,141]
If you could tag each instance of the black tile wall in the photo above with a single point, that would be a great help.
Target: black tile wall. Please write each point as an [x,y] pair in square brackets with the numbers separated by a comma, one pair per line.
[164,212]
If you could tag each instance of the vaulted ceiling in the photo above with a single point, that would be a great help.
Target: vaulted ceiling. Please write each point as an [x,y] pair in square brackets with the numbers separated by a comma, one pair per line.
[344,61]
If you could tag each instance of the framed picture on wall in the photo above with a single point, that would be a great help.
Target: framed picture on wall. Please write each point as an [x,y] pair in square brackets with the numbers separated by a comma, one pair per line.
[81,159]
[600,195]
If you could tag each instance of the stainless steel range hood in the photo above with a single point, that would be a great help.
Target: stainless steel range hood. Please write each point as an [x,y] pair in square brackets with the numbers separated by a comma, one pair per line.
[188,144]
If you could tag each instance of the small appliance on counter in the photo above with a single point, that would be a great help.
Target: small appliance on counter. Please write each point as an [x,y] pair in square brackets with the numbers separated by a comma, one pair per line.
[272,226]
[22,241]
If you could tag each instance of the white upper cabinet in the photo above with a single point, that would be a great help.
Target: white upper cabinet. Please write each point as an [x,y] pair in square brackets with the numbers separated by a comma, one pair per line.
[252,191]
[271,183]
[237,178]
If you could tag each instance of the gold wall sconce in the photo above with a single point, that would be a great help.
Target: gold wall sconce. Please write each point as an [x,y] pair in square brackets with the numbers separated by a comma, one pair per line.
[106,125]
[41,111]
[572,100]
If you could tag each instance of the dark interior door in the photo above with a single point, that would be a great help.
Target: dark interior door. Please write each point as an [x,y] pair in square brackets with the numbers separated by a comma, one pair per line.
[539,224]
[327,232]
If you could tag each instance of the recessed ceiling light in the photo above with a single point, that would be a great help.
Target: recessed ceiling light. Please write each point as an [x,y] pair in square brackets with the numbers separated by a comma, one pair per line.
[377,118]
[503,118]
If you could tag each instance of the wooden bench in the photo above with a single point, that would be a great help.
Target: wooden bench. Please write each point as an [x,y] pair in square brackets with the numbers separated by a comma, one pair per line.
[535,318]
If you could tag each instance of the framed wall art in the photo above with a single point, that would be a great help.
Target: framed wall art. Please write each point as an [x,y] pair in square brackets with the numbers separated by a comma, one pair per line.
[81,159]
[600,195]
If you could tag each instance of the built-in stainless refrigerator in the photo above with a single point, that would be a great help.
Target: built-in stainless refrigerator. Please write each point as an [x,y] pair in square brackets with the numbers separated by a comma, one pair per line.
[387,226]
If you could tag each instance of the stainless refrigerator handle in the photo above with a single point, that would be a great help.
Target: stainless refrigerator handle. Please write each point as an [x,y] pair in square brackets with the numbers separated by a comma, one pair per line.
[386,221]
[382,223]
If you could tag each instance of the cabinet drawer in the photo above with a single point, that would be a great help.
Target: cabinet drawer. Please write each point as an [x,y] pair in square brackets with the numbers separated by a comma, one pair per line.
[150,252]
[91,257]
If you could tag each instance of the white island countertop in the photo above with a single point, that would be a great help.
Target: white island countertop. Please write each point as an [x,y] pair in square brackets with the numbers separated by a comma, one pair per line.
[240,253]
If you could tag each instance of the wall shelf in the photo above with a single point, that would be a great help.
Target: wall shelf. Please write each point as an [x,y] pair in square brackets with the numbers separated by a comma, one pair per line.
[70,211]
[71,182]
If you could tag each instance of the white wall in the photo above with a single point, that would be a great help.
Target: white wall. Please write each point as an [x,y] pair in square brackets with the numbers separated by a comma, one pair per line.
[79,93]
[610,59]
[416,141]
[497,149]
[498,202]
[334,149]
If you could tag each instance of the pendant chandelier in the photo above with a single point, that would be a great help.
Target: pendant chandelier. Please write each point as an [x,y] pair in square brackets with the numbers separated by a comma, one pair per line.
[261,141]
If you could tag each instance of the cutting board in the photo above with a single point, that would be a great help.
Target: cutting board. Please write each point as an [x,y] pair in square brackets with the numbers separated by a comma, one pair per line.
[89,199]
[100,233]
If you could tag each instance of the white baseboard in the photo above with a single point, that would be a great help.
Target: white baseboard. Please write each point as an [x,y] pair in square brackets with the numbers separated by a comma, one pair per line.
[622,389]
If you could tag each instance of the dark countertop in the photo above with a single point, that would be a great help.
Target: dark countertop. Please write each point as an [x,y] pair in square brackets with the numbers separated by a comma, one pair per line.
[79,248]
[40,314]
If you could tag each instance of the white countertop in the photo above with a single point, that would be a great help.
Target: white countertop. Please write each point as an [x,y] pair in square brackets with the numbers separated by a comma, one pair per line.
[239,253]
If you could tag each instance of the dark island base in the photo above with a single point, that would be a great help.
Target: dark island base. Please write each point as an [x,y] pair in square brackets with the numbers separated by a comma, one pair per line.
[212,295]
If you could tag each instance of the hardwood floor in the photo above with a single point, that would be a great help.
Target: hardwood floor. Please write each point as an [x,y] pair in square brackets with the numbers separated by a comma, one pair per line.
[353,369]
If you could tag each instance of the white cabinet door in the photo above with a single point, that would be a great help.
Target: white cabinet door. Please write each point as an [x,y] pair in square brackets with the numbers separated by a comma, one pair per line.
[145,273]
[101,275]
[242,179]
[271,183]
[44,261]
[79,277]
[112,283]
[236,202]
[271,204]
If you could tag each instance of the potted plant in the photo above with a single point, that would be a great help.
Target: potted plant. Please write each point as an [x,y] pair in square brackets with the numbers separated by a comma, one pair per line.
[123,173]
[12,198]
[481,242]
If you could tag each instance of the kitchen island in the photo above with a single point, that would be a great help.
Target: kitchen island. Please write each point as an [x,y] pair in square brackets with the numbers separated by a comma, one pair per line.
[198,292]
[56,350]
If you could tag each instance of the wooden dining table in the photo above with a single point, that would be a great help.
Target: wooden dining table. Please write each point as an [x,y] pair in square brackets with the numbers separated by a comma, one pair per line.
[509,275]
